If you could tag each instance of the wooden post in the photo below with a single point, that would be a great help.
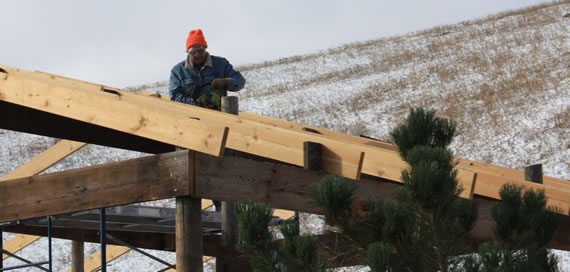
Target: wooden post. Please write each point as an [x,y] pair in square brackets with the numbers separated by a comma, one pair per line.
[312,160]
[189,234]
[1,249]
[312,153]
[230,104]
[189,244]
[77,256]
[533,173]
[312,156]
[230,228]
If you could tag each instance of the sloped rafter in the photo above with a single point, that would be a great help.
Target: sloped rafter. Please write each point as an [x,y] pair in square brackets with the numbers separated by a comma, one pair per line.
[382,160]
[18,242]
[107,109]
[344,155]
[45,160]
[244,135]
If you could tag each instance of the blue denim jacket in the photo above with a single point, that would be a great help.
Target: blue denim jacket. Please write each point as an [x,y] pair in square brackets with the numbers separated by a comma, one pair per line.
[188,83]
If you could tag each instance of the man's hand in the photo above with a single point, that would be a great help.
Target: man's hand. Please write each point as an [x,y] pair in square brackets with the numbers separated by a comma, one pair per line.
[205,101]
[216,98]
[213,100]
[221,84]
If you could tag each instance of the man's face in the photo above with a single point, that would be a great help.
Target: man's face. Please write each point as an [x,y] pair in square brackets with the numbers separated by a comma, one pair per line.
[197,54]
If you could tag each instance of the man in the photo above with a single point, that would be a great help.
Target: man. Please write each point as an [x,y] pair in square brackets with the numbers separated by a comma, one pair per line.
[202,79]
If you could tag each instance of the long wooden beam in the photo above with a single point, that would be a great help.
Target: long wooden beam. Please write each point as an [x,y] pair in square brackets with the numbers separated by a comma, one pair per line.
[233,178]
[46,124]
[107,109]
[147,240]
[347,156]
[113,184]
[287,187]
[473,166]
[380,159]
[248,136]
[383,160]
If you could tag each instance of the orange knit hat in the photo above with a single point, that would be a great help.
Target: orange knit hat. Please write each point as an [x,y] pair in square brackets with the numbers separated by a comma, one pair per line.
[195,37]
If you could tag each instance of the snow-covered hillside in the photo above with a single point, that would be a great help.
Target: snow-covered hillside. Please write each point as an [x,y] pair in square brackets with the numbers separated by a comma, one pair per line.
[504,79]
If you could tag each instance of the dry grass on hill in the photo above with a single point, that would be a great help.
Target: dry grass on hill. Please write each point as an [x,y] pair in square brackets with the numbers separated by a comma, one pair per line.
[502,78]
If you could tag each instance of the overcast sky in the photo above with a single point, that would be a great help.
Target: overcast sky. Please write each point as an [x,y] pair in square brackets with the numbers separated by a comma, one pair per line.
[127,43]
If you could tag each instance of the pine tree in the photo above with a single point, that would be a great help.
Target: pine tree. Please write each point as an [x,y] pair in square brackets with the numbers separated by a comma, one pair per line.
[426,225]
[441,221]
[298,252]
[525,227]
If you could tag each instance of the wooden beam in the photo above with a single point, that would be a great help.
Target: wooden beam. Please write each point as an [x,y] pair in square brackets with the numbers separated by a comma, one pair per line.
[93,262]
[488,185]
[338,158]
[509,173]
[42,123]
[281,186]
[147,240]
[18,242]
[113,184]
[472,166]
[286,187]
[381,158]
[107,109]
[45,159]
[300,127]
[284,144]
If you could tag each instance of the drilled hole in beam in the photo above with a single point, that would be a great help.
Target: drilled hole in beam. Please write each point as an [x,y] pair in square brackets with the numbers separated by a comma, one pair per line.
[112,92]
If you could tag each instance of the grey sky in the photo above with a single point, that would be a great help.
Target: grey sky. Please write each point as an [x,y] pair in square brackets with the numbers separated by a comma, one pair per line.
[127,43]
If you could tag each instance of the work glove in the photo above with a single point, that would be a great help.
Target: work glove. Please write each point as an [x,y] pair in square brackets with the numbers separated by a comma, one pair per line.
[221,84]
[205,101]
[216,97]
[213,100]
